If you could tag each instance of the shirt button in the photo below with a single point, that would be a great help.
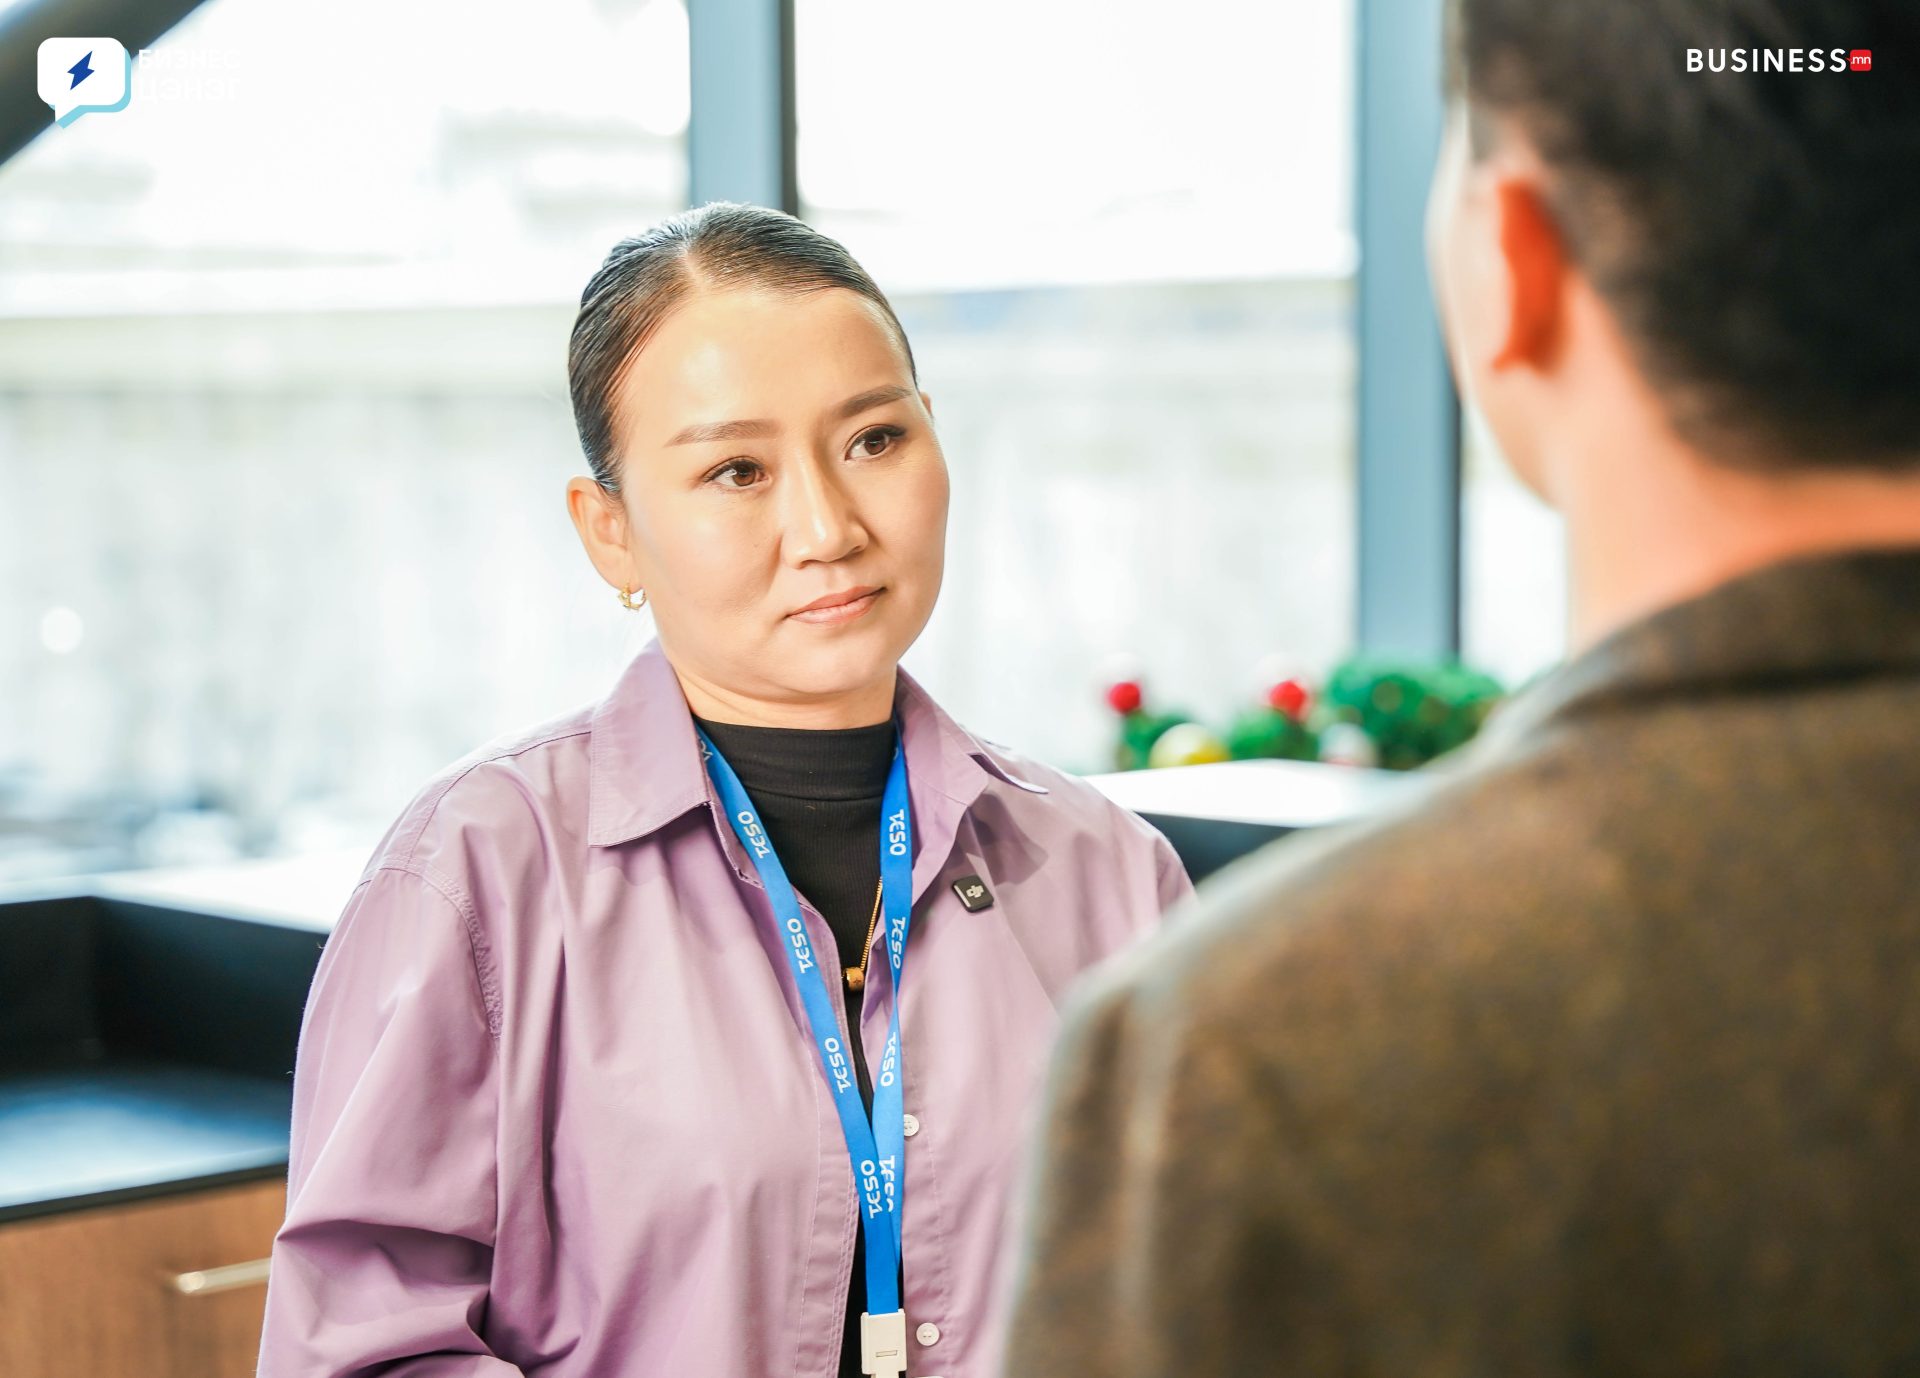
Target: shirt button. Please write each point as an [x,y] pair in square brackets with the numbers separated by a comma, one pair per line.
[912,1127]
[928,1333]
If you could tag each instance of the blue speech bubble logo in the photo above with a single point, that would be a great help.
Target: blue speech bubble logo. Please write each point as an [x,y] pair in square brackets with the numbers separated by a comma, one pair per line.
[80,76]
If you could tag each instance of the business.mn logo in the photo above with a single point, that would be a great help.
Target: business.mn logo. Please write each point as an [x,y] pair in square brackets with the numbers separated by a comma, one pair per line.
[80,76]
[1779,60]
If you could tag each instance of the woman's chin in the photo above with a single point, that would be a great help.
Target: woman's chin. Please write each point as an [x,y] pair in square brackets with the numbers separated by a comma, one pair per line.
[845,662]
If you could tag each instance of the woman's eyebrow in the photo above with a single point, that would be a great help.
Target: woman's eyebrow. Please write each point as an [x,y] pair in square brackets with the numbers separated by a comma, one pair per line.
[723,430]
[873,397]
[755,430]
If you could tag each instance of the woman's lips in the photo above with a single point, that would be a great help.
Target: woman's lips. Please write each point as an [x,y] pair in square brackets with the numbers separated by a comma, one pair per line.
[839,612]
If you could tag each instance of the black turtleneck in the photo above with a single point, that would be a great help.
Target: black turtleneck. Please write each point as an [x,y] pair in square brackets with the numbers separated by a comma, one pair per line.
[818,792]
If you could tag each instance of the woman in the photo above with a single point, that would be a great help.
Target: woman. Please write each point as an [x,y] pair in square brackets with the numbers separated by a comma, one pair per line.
[601,1073]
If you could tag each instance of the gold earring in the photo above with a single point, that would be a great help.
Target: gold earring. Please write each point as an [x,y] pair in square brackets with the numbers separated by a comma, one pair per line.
[626,600]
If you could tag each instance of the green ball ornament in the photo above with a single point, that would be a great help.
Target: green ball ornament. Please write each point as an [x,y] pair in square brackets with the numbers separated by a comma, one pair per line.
[1268,734]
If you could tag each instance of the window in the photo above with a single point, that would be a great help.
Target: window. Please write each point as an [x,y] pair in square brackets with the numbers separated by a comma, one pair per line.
[282,386]
[282,393]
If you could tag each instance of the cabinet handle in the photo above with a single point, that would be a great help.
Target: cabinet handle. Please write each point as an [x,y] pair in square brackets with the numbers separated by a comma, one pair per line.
[208,1280]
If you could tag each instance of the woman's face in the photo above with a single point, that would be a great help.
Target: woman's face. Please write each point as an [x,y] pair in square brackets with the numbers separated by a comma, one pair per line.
[774,452]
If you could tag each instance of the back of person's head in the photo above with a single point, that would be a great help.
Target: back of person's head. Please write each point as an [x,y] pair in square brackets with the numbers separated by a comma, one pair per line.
[1740,194]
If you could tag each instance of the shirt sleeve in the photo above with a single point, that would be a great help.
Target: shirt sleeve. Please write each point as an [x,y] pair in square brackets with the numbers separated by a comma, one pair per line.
[383,1263]
[1175,887]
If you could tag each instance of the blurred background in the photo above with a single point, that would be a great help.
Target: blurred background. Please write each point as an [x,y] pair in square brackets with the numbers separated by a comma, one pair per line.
[283,411]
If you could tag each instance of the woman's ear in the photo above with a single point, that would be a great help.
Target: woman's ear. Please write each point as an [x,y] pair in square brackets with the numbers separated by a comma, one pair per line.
[600,518]
[926,402]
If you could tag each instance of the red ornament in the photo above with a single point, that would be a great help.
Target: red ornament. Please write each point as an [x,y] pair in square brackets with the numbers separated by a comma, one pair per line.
[1291,697]
[1125,696]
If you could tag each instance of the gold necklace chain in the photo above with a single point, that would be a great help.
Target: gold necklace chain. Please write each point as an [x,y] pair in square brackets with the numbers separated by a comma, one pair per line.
[857,976]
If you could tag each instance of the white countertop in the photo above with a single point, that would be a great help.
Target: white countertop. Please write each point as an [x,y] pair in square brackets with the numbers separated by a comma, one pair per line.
[1279,794]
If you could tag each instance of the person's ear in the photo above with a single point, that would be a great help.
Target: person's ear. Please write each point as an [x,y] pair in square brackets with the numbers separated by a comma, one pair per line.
[1534,259]
[926,402]
[601,521]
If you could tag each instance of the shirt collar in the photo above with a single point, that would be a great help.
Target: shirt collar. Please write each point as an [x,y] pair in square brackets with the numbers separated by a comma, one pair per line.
[644,766]
[1808,619]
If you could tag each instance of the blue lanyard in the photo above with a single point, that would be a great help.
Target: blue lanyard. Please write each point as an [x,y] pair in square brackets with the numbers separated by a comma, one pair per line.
[877,1149]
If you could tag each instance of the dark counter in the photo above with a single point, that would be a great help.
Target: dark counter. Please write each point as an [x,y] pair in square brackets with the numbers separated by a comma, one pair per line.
[143,1049]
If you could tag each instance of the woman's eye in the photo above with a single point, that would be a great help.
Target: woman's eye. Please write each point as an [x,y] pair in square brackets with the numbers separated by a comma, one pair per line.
[876,442]
[745,470]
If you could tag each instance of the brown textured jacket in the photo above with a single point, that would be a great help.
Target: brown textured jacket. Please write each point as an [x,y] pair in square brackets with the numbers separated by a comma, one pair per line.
[1602,1058]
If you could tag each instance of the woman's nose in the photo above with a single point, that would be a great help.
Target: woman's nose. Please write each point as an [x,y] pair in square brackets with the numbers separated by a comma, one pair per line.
[821,523]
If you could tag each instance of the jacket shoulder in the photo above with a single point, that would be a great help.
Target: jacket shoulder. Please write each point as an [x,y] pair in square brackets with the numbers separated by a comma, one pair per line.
[1505,879]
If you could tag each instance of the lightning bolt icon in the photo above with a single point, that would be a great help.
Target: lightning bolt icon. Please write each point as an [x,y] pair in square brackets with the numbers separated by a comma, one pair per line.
[80,70]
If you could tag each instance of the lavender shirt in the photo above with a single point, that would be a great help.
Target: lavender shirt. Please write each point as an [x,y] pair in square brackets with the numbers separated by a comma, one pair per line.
[557,1109]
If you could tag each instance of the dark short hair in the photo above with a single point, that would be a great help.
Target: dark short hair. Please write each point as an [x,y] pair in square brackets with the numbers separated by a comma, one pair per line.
[719,245]
[1756,233]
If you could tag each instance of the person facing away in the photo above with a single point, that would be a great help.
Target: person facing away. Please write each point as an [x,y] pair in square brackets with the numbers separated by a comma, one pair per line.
[590,1051]
[1603,1057]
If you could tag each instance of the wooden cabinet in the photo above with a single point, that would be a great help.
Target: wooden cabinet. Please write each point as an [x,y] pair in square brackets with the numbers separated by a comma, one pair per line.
[168,1288]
